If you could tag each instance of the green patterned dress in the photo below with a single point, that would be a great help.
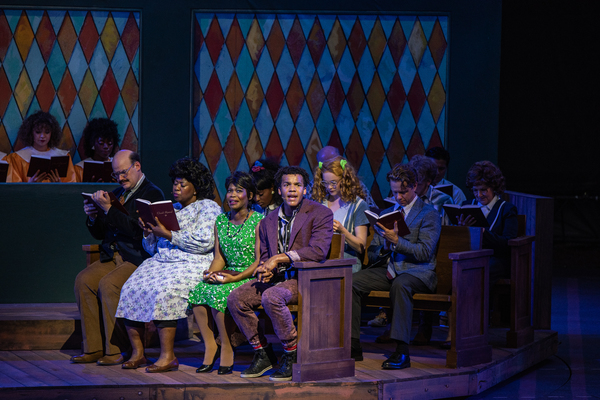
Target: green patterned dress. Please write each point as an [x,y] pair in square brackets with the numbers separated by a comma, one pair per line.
[237,244]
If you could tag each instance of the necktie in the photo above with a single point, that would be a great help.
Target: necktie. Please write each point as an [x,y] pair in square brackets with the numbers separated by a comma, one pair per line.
[391,273]
[123,197]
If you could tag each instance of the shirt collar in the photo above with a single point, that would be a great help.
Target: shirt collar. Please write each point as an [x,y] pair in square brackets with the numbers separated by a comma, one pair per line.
[137,185]
[490,205]
[408,207]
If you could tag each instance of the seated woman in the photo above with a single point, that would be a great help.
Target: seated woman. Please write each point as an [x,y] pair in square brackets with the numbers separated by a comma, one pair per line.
[41,134]
[267,196]
[487,183]
[337,187]
[237,254]
[158,289]
[100,141]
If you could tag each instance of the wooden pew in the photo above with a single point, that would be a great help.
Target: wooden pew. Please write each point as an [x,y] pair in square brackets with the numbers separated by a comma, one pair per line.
[463,283]
[517,289]
[184,326]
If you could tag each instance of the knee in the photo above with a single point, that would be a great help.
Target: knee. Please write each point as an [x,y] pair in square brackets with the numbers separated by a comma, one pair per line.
[83,282]
[233,300]
[271,298]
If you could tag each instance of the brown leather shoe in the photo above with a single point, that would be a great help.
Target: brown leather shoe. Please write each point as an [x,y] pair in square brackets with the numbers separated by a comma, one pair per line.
[87,357]
[172,366]
[134,364]
[114,359]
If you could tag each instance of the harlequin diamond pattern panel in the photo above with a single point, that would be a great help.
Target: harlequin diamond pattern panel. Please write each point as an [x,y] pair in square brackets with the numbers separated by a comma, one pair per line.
[77,65]
[284,86]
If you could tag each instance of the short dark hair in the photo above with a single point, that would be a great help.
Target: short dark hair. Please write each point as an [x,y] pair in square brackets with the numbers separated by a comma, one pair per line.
[36,119]
[263,172]
[245,181]
[100,128]
[195,173]
[403,173]
[425,167]
[439,153]
[486,173]
[291,170]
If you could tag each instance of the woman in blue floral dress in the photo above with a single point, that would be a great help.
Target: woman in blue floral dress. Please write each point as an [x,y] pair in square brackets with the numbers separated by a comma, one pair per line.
[158,289]
[237,254]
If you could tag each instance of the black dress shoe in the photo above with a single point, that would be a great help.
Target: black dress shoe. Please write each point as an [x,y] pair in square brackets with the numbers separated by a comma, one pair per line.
[356,353]
[208,367]
[397,361]
[225,370]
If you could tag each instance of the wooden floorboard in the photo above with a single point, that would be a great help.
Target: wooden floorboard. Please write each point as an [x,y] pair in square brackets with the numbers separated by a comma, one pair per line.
[48,374]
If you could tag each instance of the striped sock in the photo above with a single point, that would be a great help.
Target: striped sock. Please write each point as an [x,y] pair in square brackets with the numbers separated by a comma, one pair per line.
[290,348]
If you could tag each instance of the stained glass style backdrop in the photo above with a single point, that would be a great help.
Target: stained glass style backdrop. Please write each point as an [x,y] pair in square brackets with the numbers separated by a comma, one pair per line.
[283,86]
[75,64]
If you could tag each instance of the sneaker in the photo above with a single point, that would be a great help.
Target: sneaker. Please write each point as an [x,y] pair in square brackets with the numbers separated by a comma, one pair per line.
[284,373]
[264,360]
[380,320]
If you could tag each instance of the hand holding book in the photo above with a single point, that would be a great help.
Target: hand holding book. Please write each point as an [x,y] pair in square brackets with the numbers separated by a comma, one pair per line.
[158,229]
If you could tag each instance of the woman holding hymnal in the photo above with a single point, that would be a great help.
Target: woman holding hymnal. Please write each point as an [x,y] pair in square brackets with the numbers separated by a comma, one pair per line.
[40,160]
[487,183]
[237,254]
[100,142]
[337,187]
[158,289]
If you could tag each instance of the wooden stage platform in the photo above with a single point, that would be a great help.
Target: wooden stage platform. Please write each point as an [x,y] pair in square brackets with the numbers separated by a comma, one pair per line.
[48,374]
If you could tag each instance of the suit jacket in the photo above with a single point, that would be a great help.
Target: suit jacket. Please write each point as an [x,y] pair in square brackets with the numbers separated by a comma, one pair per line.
[415,253]
[121,232]
[310,236]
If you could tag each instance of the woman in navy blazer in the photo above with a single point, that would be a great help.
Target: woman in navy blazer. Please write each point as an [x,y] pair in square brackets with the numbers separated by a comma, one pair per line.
[487,183]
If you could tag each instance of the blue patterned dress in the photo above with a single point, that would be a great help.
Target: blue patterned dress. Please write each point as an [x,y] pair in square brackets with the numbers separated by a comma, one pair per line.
[159,287]
[237,244]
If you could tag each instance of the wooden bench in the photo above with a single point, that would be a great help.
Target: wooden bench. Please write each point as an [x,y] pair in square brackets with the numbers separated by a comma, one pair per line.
[517,289]
[184,326]
[463,276]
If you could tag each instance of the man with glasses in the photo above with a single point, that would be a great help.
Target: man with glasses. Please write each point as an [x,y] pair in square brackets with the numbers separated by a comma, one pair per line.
[98,287]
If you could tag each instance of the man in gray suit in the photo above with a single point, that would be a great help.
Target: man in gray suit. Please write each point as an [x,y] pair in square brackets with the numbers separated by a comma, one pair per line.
[300,229]
[406,267]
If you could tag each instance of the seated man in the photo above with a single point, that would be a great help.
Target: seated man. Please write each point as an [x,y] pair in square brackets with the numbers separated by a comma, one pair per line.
[98,287]
[442,159]
[300,229]
[426,170]
[408,265]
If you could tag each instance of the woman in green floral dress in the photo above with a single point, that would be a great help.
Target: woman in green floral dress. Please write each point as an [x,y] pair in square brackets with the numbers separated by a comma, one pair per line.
[237,254]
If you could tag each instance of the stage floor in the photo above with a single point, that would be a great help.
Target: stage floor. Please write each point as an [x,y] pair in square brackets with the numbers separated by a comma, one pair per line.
[48,374]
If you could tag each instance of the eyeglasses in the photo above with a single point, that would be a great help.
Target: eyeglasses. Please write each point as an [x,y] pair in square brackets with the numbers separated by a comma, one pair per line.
[333,184]
[118,174]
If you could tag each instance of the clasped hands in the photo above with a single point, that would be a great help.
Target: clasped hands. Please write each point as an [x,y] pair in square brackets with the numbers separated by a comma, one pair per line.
[390,236]
[264,271]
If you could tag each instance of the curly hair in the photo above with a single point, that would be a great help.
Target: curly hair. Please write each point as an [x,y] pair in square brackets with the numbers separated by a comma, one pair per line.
[404,173]
[40,118]
[291,170]
[485,173]
[195,173]
[100,128]
[244,181]
[426,168]
[350,187]
[263,172]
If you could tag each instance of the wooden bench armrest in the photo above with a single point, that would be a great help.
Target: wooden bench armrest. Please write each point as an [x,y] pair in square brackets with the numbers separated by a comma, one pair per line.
[467,255]
[521,241]
[338,262]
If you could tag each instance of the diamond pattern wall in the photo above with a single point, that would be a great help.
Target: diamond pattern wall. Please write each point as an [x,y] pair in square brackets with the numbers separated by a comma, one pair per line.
[77,65]
[285,85]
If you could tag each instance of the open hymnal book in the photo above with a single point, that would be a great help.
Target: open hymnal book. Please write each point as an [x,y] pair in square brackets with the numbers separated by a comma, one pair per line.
[3,170]
[388,220]
[114,202]
[97,171]
[163,210]
[454,211]
[47,164]
[447,189]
